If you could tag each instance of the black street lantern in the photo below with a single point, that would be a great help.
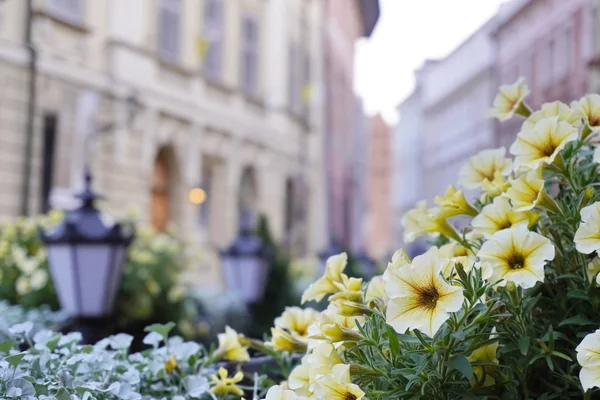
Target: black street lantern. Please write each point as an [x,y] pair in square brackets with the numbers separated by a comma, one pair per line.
[332,250]
[246,262]
[86,255]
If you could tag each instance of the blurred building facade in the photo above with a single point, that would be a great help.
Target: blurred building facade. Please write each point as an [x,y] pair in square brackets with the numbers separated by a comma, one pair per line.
[344,22]
[443,122]
[455,97]
[406,164]
[551,44]
[228,95]
[379,182]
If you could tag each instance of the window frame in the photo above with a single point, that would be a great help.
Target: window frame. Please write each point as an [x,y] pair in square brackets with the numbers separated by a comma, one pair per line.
[174,9]
[72,13]
[250,51]
[213,32]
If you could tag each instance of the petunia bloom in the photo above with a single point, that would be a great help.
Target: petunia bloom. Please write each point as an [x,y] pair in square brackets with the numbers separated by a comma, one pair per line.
[483,373]
[337,385]
[589,109]
[500,215]
[330,282]
[230,347]
[554,109]
[587,237]
[517,255]
[453,203]
[297,320]
[542,144]
[483,167]
[420,298]
[527,192]
[509,101]
[588,356]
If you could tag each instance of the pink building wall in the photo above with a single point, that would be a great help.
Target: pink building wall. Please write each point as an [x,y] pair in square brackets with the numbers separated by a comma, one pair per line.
[549,42]
[345,22]
[379,182]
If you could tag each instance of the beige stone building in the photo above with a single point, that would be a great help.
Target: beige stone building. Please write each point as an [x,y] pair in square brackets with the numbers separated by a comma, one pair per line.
[228,95]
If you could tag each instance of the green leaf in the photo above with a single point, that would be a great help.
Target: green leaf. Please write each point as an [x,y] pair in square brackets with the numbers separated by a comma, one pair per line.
[578,294]
[393,339]
[7,345]
[459,335]
[161,329]
[524,345]
[15,359]
[62,394]
[462,365]
[577,320]
[561,355]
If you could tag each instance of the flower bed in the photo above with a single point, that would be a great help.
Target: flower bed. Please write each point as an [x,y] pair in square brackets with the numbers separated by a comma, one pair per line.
[505,308]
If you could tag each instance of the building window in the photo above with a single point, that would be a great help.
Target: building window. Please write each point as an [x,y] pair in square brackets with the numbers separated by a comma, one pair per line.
[250,46]
[49,150]
[293,78]
[307,89]
[213,32]
[68,10]
[169,22]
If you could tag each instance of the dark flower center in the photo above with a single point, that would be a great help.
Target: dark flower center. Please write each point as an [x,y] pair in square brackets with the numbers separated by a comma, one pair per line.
[428,297]
[350,396]
[516,261]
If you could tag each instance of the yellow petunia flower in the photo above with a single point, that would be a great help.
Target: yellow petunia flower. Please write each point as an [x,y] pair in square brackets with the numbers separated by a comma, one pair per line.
[455,253]
[296,320]
[419,297]
[351,289]
[278,392]
[553,109]
[527,192]
[509,101]
[330,282]
[500,215]
[494,188]
[483,373]
[542,144]
[225,385]
[588,107]
[587,237]
[230,347]
[410,221]
[588,356]
[335,328]
[483,167]
[517,255]
[299,379]
[283,341]
[418,222]
[321,361]
[376,289]
[337,385]
[453,203]
[593,268]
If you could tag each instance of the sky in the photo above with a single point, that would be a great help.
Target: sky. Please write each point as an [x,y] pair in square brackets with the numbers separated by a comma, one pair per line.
[407,33]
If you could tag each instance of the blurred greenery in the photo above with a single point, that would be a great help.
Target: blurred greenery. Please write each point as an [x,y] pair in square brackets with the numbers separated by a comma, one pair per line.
[279,292]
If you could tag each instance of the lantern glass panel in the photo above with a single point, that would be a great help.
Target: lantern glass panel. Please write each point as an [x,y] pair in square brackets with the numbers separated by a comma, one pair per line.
[230,275]
[119,255]
[252,277]
[61,265]
[94,267]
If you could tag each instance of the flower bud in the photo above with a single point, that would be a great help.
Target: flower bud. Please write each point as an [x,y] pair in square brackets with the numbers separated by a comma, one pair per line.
[351,308]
